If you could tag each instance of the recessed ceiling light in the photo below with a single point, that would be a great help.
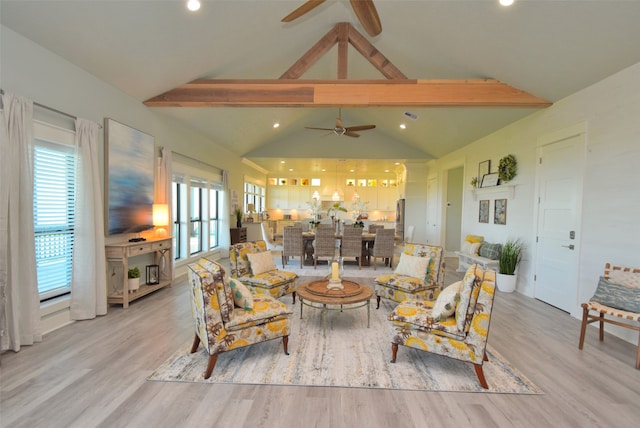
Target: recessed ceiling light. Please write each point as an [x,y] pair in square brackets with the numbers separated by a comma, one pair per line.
[193,5]
[506,2]
[290,169]
[276,125]
[282,161]
[403,126]
[352,170]
[324,169]
[386,170]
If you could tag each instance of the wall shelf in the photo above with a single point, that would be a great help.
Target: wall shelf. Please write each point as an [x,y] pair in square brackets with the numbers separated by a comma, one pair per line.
[506,190]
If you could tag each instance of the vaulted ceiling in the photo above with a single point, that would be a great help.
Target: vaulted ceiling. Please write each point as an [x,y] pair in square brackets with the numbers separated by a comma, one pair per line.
[547,48]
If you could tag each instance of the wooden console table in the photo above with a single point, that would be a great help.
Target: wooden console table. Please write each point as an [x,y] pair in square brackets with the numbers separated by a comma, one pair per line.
[118,256]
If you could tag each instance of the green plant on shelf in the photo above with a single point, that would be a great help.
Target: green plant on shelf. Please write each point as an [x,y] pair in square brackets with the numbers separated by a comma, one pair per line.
[133,273]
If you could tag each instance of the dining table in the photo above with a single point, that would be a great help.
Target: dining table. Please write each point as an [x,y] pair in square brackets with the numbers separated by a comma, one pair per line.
[367,245]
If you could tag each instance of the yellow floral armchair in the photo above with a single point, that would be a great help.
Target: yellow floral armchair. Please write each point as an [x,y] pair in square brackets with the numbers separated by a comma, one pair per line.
[222,327]
[424,285]
[265,279]
[461,335]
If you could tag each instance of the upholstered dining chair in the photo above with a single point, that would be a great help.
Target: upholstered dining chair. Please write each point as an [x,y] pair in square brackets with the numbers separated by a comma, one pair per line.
[351,245]
[324,244]
[272,245]
[221,324]
[374,227]
[384,246]
[293,244]
[456,325]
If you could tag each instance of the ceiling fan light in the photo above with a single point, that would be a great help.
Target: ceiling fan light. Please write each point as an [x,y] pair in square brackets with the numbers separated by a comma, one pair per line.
[276,125]
[193,5]
[506,2]
[403,126]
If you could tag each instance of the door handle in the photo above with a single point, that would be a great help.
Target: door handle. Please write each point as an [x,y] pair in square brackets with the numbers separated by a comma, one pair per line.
[571,247]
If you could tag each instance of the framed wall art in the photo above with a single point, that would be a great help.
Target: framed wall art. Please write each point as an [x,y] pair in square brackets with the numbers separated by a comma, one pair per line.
[500,211]
[129,166]
[489,180]
[483,211]
[484,168]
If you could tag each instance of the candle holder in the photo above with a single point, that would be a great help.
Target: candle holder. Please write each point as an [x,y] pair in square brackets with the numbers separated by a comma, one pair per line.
[153,274]
[335,283]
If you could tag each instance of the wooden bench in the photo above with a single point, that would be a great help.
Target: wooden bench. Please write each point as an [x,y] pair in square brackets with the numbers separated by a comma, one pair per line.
[466,260]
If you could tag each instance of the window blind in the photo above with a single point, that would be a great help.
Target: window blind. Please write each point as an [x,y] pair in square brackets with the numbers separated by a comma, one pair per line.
[54,219]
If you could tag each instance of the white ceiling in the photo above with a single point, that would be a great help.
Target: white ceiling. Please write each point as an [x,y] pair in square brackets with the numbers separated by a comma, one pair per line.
[549,48]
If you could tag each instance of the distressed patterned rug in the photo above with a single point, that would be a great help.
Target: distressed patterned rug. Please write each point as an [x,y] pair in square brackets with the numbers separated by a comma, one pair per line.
[337,349]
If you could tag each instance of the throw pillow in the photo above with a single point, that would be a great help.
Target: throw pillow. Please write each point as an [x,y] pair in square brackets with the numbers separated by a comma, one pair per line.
[446,302]
[241,295]
[474,238]
[617,296]
[470,248]
[261,262]
[490,251]
[412,266]
[465,298]
[628,279]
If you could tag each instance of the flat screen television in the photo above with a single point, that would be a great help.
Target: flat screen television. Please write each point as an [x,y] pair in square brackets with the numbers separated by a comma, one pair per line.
[129,165]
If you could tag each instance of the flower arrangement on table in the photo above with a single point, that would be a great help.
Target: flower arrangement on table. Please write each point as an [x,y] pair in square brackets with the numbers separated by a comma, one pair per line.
[314,209]
[335,208]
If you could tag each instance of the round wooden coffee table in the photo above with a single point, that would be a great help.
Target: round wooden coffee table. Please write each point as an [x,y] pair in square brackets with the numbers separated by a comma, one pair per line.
[317,292]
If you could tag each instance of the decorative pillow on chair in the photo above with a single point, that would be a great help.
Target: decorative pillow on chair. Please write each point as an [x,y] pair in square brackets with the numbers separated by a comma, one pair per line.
[465,298]
[628,279]
[412,266]
[470,248]
[261,262]
[490,251]
[447,301]
[241,295]
[474,238]
[617,296]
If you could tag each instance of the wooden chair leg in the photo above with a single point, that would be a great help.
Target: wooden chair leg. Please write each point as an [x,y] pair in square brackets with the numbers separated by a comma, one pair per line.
[285,344]
[638,354]
[196,343]
[212,363]
[394,352]
[378,302]
[601,326]
[583,328]
[480,374]
[294,297]
[484,357]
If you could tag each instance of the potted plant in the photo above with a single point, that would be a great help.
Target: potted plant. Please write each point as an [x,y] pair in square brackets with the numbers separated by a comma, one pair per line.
[134,278]
[510,258]
[333,210]
[238,213]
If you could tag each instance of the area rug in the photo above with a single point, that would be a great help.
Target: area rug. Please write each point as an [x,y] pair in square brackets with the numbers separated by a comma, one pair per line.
[337,349]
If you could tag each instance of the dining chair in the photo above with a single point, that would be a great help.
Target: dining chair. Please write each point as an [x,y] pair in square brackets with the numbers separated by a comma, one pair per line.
[272,245]
[324,244]
[293,244]
[374,227]
[352,244]
[383,246]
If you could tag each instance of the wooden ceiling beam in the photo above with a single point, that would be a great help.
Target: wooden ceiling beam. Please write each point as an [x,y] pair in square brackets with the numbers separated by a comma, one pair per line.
[346,93]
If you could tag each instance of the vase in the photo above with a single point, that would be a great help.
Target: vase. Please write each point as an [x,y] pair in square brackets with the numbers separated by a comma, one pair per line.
[134,284]
[506,283]
[239,224]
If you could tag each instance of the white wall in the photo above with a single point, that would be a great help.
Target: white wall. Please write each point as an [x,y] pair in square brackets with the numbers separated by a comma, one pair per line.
[29,70]
[611,200]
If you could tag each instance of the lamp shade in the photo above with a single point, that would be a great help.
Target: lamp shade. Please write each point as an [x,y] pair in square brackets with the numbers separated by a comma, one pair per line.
[160,214]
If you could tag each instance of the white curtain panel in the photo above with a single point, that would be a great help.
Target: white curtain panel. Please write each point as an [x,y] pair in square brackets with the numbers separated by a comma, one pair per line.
[88,284]
[19,300]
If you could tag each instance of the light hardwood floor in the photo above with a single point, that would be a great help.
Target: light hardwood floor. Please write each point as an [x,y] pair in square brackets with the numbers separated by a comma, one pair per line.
[92,374]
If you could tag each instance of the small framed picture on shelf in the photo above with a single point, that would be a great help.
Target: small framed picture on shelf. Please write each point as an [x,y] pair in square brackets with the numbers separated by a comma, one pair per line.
[483,211]
[484,168]
[304,181]
[500,211]
[490,180]
[273,181]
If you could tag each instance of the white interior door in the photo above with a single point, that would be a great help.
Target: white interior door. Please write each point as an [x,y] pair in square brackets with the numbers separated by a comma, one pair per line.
[560,198]
[432,212]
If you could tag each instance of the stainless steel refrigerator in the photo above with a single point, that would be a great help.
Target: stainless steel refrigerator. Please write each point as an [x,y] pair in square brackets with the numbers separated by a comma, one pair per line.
[400,219]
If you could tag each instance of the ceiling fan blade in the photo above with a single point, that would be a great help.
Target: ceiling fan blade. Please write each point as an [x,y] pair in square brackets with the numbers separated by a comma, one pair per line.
[368,16]
[359,128]
[351,134]
[321,129]
[307,6]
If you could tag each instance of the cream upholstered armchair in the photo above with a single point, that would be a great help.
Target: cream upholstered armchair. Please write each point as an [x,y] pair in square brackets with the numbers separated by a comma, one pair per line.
[455,326]
[220,325]
[418,275]
[253,265]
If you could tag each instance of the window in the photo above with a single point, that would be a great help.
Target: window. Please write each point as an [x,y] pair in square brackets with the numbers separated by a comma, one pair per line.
[254,194]
[214,208]
[196,210]
[53,209]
